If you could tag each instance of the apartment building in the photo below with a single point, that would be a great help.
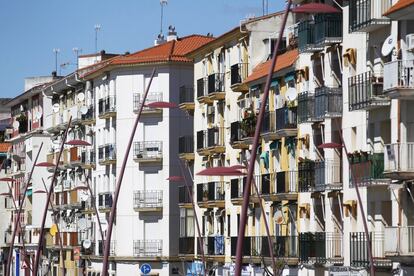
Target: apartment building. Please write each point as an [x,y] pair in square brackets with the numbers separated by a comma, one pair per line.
[25,135]
[228,75]
[145,229]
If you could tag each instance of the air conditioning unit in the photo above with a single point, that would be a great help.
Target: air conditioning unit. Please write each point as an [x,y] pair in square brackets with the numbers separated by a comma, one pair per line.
[409,39]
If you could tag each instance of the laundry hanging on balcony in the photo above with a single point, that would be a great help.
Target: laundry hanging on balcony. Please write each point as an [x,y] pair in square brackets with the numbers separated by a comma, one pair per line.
[265,157]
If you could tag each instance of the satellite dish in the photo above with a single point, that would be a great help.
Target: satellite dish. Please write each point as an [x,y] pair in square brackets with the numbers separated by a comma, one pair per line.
[81,97]
[291,94]
[84,196]
[16,124]
[87,244]
[55,108]
[279,217]
[38,115]
[53,230]
[83,110]
[82,224]
[387,46]
[280,101]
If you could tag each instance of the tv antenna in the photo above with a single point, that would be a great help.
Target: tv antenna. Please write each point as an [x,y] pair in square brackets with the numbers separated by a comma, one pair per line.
[77,50]
[97,28]
[56,51]
[265,7]
[162,3]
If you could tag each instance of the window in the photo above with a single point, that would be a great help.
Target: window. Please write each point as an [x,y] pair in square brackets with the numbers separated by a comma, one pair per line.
[186,222]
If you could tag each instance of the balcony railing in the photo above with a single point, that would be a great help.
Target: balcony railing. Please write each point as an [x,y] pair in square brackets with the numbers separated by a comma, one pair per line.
[186,245]
[328,102]
[235,132]
[105,200]
[312,247]
[213,246]
[151,97]
[306,175]
[88,157]
[147,248]
[107,105]
[328,28]
[211,191]
[201,88]
[286,182]
[216,83]
[239,72]
[366,92]
[399,241]
[328,175]
[367,169]
[286,118]
[359,252]
[306,37]
[398,79]
[306,107]
[148,150]
[237,187]
[89,115]
[183,196]
[263,183]
[107,153]
[186,94]
[269,122]
[147,199]
[257,246]
[399,159]
[185,144]
[111,248]
[367,15]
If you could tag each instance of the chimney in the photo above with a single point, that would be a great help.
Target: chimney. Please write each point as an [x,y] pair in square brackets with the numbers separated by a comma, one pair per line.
[160,40]
[172,34]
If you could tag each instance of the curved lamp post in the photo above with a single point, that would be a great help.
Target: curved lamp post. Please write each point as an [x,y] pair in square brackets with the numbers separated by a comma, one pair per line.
[17,222]
[119,182]
[49,194]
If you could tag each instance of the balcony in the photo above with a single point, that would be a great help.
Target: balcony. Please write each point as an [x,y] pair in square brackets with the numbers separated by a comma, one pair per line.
[328,176]
[321,248]
[216,88]
[89,117]
[75,158]
[286,122]
[239,73]
[213,248]
[147,248]
[186,147]
[111,248]
[268,130]
[264,183]
[210,141]
[306,107]
[148,152]
[286,186]
[211,195]
[366,92]
[186,246]
[107,154]
[236,136]
[148,201]
[107,107]
[328,29]
[399,79]
[359,251]
[151,98]
[399,161]
[184,199]
[399,245]
[186,98]
[306,37]
[367,169]
[367,15]
[306,175]
[88,159]
[202,94]
[237,190]
[328,102]
[105,202]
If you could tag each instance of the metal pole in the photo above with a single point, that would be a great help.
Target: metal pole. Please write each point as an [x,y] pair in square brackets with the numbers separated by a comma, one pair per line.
[58,230]
[201,239]
[361,207]
[93,200]
[119,182]
[246,195]
[29,179]
[49,194]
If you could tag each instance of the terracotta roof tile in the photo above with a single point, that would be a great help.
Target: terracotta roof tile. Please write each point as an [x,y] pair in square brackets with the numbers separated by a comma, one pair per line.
[283,61]
[172,51]
[401,4]
[4,147]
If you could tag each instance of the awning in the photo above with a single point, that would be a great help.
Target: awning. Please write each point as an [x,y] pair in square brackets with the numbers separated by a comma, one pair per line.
[289,77]
[220,171]
[274,145]
[315,8]
[330,146]
[274,83]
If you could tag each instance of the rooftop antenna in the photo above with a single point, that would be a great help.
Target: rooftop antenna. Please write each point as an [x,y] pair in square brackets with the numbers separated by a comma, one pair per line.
[265,7]
[162,3]
[56,51]
[77,50]
[97,28]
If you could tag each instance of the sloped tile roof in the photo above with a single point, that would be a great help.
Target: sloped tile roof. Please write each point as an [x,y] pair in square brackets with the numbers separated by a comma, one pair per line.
[4,147]
[401,4]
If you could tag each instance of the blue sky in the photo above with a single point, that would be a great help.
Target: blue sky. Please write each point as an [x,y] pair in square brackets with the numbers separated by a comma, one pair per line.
[30,29]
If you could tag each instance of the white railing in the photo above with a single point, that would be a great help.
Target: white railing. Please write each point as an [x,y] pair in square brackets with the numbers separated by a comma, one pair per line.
[400,240]
[399,157]
[399,74]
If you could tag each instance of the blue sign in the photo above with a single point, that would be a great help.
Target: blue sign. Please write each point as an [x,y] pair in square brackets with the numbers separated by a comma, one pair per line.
[145,269]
